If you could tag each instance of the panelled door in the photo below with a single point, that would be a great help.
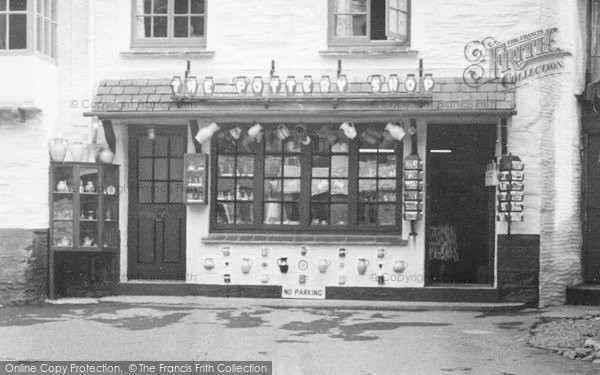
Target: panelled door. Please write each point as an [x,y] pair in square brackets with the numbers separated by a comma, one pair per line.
[157,215]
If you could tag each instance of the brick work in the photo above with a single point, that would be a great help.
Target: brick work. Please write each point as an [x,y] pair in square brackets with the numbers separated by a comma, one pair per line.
[518,268]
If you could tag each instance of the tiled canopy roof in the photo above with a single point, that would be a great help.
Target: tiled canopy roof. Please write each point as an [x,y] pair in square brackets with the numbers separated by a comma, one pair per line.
[148,95]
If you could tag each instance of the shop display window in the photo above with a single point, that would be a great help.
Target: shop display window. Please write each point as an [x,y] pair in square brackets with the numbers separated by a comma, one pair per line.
[306,177]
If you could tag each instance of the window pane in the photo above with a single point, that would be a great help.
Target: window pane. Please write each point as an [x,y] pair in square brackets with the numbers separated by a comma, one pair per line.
[2,5]
[339,166]
[176,192]
[160,6]
[244,213]
[272,190]
[244,189]
[245,166]
[181,6]
[320,166]
[367,214]
[176,169]
[2,31]
[181,27]
[387,166]
[177,146]
[367,165]
[18,5]
[339,214]
[273,166]
[145,169]
[291,189]
[161,169]
[225,190]
[359,25]
[343,26]
[393,21]
[403,5]
[145,192]
[386,214]
[272,213]
[144,27]
[39,44]
[291,214]
[273,142]
[47,36]
[147,6]
[18,31]
[226,165]
[161,145]
[224,213]
[339,187]
[319,189]
[54,11]
[367,190]
[359,6]
[161,192]
[54,51]
[342,6]
[403,25]
[197,7]
[160,27]
[197,24]
[39,8]
[292,166]
[47,8]
[319,214]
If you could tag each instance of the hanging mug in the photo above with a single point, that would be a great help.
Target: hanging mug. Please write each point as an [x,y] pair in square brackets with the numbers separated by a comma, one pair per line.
[342,279]
[275,85]
[307,85]
[255,132]
[348,129]
[208,263]
[342,252]
[400,266]
[290,85]
[226,250]
[380,279]
[227,278]
[302,279]
[362,265]
[207,132]
[208,85]
[257,85]
[323,265]
[283,132]
[264,278]
[303,250]
[264,251]
[381,253]
[396,131]
[283,264]
[325,84]
[246,265]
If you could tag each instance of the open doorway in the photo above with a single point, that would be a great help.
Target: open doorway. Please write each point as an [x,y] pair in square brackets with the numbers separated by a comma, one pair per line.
[460,209]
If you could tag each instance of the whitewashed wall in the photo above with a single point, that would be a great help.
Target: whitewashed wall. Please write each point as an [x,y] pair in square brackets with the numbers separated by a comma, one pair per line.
[246,36]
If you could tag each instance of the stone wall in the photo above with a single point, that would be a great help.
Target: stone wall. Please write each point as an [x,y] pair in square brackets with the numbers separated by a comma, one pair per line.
[23,266]
[518,268]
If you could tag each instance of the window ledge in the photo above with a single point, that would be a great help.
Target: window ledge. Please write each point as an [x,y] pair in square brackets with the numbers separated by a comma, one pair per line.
[367,50]
[306,239]
[167,52]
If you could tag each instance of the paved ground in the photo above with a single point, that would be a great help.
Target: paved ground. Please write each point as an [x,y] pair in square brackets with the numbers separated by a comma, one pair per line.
[302,338]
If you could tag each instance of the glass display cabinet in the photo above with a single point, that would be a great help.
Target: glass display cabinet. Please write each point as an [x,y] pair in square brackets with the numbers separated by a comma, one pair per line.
[84,212]
[195,179]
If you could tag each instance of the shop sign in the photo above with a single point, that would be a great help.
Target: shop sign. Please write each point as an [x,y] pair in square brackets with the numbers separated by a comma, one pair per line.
[516,61]
[302,292]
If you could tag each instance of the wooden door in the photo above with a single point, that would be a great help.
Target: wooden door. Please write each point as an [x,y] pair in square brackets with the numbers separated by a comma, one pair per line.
[591,253]
[157,215]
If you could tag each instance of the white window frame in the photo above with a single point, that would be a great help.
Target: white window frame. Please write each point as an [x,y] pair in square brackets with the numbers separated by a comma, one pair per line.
[334,41]
[170,40]
[51,50]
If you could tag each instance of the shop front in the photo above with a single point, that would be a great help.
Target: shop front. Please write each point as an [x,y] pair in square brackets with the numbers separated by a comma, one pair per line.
[316,191]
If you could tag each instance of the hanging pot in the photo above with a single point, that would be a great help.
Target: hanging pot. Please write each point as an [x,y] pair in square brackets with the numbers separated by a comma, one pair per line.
[106,156]
[283,265]
[58,149]
[208,263]
[362,265]
[323,265]
[206,133]
[246,265]
[400,266]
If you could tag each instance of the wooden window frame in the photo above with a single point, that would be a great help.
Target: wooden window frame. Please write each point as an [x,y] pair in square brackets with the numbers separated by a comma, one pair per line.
[334,41]
[170,40]
[306,155]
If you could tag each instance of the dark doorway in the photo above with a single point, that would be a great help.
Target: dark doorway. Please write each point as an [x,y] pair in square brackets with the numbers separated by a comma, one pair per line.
[460,220]
[157,215]
[591,253]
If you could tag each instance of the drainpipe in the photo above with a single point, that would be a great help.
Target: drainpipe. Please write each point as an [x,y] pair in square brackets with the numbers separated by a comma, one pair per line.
[91,51]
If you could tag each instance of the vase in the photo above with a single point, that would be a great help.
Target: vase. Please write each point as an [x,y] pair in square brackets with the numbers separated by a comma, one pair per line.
[290,85]
[77,150]
[257,85]
[241,84]
[325,84]
[191,86]
[396,131]
[208,86]
[393,83]
[106,156]
[307,85]
[207,132]
[275,85]
[342,83]
[58,149]
[362,265]
[376,81]
[283,264]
